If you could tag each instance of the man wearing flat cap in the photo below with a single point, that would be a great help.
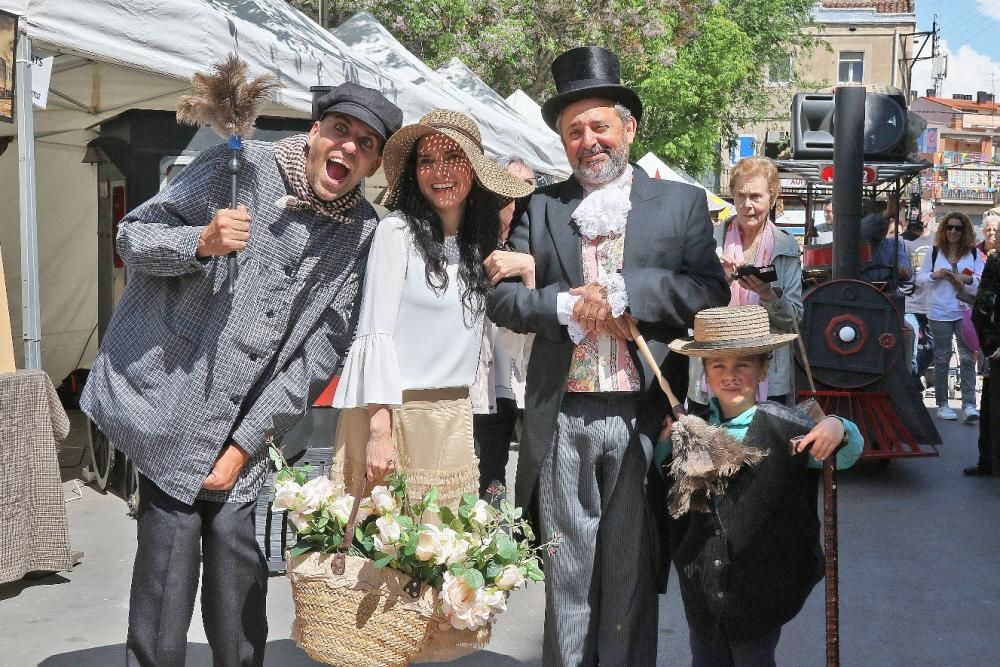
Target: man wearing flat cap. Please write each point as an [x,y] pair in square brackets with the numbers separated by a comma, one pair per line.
[193,383]
[613,248]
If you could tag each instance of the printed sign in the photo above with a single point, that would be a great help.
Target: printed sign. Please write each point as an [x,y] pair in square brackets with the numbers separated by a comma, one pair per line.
[8,38]
[41,74]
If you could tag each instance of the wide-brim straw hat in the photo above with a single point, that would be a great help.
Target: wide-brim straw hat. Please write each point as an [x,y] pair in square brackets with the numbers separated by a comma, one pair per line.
[739,331]
[463,131]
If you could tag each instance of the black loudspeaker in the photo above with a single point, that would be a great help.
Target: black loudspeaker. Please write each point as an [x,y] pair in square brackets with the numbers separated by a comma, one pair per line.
[812,126]
[318,92]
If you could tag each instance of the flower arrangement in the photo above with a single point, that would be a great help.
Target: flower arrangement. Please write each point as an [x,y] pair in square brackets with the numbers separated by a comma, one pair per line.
[473,556]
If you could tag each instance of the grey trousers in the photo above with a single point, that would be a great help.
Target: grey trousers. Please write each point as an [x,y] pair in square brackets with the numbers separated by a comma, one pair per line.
[600,586]
[943,332]
[174,539]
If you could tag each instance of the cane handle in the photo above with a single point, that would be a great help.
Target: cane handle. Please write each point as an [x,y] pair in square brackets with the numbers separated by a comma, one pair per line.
[675,405]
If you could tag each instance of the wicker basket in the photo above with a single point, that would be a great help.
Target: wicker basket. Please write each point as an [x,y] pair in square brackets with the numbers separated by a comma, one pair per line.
[362,618]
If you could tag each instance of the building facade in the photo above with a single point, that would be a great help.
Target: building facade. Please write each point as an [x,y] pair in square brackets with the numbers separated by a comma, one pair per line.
[960,142]
[865,42]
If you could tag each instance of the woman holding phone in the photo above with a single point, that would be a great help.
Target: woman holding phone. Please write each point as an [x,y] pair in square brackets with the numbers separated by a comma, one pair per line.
[951,274]
[762,266]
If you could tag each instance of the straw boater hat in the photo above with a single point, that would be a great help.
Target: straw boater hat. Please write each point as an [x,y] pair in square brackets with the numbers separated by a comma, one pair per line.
[740,331]
[464,132]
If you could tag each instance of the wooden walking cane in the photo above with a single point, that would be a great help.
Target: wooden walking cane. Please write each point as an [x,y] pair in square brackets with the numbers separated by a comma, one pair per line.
[227,102]
[675,406]
[829,528]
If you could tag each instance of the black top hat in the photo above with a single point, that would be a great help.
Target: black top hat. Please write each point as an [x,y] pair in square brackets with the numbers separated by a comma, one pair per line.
[588,72]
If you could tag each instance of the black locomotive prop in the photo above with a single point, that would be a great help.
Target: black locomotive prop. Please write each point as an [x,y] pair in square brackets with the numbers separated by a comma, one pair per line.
[853,328]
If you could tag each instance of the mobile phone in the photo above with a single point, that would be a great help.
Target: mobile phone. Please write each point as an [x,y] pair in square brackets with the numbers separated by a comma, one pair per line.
[768,273]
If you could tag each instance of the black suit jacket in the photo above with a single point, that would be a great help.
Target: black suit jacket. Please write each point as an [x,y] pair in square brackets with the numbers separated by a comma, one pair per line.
[670,270]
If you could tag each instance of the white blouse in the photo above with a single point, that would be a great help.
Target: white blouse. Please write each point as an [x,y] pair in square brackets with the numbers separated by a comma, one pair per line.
[408,336]
[941,297]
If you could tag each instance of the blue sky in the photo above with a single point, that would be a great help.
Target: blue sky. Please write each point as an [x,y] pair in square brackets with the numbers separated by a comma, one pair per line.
[969,34]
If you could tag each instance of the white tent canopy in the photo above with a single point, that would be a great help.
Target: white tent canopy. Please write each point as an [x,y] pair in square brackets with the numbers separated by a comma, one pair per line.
[521,102]
[657,168]
[465,79]
[116,55]
[504,132]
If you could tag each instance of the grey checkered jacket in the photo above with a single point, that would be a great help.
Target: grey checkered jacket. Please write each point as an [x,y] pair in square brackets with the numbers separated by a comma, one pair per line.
[183,366]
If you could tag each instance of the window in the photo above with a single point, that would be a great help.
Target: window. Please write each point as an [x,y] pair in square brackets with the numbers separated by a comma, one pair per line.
[779,70]
[852,67]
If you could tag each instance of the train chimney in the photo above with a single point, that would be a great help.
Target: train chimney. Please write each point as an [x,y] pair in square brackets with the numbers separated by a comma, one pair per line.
[848,170]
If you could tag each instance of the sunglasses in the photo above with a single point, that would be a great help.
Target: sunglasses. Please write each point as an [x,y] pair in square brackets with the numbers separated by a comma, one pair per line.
[955,228]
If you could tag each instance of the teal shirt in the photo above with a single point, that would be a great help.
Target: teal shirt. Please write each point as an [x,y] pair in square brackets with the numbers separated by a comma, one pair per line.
[738,425]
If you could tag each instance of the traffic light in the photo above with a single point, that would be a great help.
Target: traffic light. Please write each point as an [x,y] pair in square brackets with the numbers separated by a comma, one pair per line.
[812,126]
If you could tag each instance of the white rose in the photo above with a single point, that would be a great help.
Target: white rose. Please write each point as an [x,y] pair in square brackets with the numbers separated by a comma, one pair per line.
[428,543]
[493,599]
[299,519]
[286,495]
[388,530]
[341,508]
[315,493]
[458,601]
[480,513]
[382,500]
[453,548]
[510,578]
[387,549]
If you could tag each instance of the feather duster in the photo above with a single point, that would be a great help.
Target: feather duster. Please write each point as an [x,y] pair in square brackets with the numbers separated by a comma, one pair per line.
[224,100]
[705,457]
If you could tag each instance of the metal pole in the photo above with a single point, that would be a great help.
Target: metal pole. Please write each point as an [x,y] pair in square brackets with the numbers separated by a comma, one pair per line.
[30,309]
[848,172]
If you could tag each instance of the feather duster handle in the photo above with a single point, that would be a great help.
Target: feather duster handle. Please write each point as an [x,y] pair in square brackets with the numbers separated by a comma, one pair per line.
[225,101]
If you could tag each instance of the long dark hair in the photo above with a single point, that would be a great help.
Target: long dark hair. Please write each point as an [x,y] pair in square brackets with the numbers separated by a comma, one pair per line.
[477,238]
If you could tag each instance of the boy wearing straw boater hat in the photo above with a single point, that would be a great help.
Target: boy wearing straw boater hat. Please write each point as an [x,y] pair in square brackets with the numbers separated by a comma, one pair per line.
[744,530]
[613,249]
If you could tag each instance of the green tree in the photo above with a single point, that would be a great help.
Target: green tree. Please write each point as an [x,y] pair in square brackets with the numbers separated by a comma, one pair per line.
[699,65]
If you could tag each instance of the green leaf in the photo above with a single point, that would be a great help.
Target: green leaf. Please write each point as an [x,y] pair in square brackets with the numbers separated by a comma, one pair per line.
[468,500]
[474,578]
[506,547]
[493,570]
[300,549]
[382,562]
[532,571]
[457,569]
[430,498]
[446,515]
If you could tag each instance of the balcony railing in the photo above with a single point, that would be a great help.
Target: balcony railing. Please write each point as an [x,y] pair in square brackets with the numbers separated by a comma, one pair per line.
[964,194]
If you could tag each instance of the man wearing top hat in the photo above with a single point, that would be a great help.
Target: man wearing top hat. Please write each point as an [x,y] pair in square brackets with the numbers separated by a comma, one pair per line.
[193,383]
[611,246]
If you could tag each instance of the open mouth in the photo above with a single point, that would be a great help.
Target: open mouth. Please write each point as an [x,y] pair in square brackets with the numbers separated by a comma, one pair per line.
[442,187]
[337,170]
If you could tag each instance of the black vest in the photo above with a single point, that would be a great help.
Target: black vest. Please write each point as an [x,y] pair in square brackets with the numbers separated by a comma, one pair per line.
[749,564]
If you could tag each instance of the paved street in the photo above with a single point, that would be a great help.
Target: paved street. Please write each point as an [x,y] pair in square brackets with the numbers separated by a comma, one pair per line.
[919,580]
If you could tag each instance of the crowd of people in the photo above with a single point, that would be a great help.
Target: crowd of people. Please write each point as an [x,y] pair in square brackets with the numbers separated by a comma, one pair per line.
[477,303]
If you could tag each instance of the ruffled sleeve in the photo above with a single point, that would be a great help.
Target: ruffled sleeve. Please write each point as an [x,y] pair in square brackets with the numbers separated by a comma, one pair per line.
[371,370]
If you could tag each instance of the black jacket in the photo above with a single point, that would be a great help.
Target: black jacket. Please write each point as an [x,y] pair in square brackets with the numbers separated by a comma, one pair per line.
[749,565]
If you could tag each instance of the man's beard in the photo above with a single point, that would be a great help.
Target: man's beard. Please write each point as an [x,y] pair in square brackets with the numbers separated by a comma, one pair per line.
[605,172]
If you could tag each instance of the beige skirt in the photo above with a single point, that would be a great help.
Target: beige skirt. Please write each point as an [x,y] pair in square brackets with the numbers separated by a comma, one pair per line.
[432,432]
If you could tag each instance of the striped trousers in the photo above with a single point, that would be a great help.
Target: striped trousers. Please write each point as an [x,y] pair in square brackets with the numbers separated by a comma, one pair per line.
[600,586]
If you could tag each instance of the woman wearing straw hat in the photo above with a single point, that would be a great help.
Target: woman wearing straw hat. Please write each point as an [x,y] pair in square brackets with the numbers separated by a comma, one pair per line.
[747,557]
[405,383]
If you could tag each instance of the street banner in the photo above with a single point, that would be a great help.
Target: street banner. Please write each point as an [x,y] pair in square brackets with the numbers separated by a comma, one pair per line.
[8,38]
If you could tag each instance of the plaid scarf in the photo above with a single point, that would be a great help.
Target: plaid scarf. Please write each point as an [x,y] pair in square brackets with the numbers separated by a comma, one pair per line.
[291,155]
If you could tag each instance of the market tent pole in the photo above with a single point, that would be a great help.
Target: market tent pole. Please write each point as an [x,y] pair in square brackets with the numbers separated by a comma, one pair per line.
[30,310]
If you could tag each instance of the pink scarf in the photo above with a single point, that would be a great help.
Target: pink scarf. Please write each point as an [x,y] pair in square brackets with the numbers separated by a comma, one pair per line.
[733,249]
